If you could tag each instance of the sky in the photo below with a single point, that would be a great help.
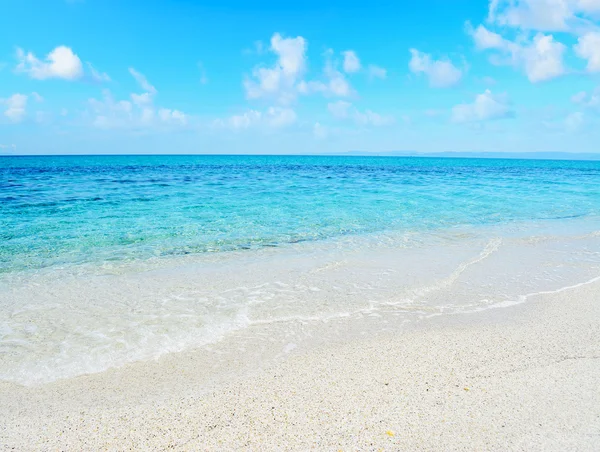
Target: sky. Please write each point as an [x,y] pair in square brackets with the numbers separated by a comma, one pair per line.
[310,77]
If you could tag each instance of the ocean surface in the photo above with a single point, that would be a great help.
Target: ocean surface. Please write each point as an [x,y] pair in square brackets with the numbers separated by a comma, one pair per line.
[107,260]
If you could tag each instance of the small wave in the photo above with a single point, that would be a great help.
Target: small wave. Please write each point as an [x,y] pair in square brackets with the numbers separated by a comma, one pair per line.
[492,246]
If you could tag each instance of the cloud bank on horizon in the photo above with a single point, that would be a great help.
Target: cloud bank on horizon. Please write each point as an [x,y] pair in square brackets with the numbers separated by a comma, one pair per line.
[498,75]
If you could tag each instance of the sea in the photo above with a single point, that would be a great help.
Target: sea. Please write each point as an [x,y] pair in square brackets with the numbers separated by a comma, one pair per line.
[106,261]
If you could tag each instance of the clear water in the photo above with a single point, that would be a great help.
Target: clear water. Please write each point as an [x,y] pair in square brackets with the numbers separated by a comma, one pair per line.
[60,210]
[109,260]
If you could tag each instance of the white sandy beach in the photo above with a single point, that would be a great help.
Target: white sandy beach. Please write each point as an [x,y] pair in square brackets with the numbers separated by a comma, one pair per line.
[525,377]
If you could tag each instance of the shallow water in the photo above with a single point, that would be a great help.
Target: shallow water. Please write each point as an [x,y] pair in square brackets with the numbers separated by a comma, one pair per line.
[110,260]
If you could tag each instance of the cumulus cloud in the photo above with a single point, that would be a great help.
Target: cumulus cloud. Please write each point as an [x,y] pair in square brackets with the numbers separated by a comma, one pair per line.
[486,107]
[285,80]
[279,82]
[344,110]
[377,72]
[541,58]
[12,147]
[545,15]
[351,62]
[15,107]
[137,113]
[485,39]
[588,48]
[441,73]
[335,84]
[59,63]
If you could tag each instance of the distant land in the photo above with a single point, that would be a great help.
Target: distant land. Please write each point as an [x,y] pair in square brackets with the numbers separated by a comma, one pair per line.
[448,154]
[480,155]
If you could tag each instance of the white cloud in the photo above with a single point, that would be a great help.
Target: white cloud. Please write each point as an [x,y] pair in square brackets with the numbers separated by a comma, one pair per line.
[543,59]
[284,81]
[280,117]
[588,100]
[59,63]
[16,106]
[548,15]
[377,72]
[245,120]
[96,75]
[485,39]
[12,147]
[486,107]
[540,58]
[545,15]
[137,113]
[335,84]
[351,62]
[588,48]
[279,82]
[344,110]
[142,100]
[339,86]
[109,113]
[274,118]
[169,116]
[142,81]
[441,73]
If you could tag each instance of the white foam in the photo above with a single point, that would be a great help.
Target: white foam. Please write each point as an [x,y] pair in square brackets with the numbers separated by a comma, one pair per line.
[78,320]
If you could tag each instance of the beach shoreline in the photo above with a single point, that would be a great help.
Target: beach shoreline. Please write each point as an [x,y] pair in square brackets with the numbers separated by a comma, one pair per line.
[525,377]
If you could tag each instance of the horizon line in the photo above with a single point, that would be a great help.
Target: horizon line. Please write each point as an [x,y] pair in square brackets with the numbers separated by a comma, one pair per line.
[532,155]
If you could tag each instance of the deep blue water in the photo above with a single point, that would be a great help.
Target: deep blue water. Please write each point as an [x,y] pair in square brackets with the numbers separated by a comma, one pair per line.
[61,210]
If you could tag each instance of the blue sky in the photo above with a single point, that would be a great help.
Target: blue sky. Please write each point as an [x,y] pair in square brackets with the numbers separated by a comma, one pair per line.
[183,76]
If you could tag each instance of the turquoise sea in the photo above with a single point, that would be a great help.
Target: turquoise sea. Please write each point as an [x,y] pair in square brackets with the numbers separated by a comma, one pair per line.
[66,210]
[105,260]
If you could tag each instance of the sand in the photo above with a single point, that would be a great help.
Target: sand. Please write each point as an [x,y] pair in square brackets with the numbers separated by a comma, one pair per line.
[525,377]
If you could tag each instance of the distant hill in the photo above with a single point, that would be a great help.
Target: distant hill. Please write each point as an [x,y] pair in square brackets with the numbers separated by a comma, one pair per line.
[485,155]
